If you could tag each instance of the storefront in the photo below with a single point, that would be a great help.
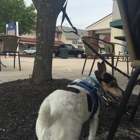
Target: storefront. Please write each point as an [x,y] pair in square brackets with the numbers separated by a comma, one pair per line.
[26,43]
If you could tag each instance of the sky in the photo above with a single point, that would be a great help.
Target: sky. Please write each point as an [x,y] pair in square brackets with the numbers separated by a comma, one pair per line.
[83,13]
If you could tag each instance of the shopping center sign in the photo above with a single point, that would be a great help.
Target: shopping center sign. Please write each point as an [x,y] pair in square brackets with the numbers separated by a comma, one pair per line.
[12,28]
[77,42]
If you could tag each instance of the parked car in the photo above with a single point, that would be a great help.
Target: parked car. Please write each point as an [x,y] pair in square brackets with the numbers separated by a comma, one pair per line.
[72,50]
[31,50]
[102,51]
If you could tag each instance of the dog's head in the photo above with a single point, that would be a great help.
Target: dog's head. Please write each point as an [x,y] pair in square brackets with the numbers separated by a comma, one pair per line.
[108,82]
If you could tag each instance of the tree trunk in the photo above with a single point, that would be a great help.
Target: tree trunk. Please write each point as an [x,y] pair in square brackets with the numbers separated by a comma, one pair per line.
[47,13]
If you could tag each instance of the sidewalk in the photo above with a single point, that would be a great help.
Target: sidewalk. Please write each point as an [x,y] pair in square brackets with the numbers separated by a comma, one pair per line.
[62,68]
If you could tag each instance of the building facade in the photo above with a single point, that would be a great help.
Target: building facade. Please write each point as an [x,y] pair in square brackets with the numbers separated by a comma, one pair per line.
[71,38]
[61,37]
[103,28]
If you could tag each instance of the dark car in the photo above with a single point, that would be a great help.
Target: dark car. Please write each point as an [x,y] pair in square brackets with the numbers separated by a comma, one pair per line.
[72,50]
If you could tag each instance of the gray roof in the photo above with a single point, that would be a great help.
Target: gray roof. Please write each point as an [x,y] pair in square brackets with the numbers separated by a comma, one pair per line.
[73,36]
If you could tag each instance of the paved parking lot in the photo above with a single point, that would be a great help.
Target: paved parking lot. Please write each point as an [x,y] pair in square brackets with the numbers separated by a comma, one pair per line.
[62,68]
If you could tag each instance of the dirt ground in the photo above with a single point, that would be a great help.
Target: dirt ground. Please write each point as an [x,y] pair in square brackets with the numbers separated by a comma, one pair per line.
[19,105]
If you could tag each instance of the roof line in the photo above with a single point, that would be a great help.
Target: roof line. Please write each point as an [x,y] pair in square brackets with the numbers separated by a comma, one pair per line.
[99,20]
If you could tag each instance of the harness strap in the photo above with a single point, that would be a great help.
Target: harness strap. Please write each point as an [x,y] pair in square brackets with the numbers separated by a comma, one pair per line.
[98,86]
[72,89]
[66,16]
[85,86]
[95,107]
[93,93]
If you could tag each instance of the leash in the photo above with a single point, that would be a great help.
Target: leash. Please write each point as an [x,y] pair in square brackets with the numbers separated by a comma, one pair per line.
[66,16]
[109,102]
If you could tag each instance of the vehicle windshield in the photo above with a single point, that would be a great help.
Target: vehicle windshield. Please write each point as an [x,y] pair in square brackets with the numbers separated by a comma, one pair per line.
[32,48]
[74,46]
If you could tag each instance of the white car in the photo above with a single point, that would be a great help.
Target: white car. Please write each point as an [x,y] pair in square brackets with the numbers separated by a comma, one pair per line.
[31,50]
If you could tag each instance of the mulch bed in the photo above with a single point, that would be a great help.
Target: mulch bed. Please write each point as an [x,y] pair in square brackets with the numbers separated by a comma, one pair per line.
[19,105]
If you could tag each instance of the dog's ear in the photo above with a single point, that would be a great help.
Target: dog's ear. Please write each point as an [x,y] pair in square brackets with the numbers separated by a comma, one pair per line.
[101,68]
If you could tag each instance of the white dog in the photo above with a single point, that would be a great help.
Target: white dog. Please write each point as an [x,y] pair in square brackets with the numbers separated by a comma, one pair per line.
[63,112]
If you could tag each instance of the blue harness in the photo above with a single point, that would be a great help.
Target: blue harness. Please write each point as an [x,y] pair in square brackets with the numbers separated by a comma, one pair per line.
[91,85]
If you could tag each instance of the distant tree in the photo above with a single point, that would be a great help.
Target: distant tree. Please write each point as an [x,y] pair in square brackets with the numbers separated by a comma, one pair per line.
[47,13]
[16,10]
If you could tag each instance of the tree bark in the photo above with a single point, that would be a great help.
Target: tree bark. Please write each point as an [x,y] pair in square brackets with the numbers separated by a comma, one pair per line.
[47,13]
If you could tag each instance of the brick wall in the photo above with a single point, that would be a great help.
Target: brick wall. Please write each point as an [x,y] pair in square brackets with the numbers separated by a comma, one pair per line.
[92,33]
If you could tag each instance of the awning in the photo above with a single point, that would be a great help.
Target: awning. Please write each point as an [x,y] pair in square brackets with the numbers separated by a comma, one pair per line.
[116,24]
[23,39]
[107,38]
[33,41]
[58,43]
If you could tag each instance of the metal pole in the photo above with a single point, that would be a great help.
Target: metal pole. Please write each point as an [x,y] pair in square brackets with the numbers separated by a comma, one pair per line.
[123,103]
[0,63]
[132,115]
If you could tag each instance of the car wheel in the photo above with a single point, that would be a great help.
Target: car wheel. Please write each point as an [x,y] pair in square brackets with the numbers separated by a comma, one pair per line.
[79,55]
[24,53]
[54,54]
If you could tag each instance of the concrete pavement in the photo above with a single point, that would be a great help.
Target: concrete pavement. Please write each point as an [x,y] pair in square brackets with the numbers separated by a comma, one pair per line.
[62,68]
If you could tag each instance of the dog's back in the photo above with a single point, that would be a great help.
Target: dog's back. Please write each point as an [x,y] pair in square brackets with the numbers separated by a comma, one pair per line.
[59,113]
